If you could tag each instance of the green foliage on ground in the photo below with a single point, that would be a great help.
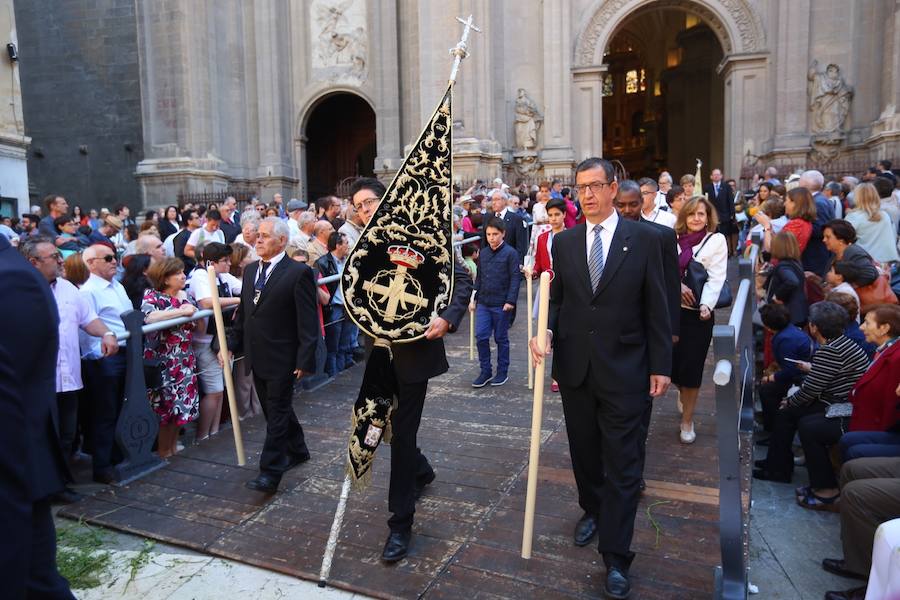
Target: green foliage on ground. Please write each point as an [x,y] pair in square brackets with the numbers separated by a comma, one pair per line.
[80,556]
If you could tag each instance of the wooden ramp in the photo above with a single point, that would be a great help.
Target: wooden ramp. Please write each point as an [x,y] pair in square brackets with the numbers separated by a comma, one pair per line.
[468,525]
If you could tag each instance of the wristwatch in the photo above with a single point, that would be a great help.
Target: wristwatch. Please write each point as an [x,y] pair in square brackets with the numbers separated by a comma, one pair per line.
[108,333]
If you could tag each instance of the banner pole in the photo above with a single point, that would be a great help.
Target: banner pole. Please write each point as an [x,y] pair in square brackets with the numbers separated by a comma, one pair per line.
[536,416]
[226,366]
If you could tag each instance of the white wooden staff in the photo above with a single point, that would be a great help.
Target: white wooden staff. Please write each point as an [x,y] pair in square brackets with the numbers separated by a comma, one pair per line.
[331,545]
[529,291]
[226,366]
[472,331]
[536,416]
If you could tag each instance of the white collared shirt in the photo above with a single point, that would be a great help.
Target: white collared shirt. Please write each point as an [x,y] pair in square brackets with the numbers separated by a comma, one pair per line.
[275,260]
[75,312]
[108,300]
[607,230]
[661,217]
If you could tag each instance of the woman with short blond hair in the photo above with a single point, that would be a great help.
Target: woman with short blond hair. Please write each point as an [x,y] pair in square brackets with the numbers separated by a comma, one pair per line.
[875,231]
[687,183]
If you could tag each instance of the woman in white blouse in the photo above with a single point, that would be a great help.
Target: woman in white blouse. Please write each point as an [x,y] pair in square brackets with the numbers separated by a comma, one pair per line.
[697,240]
[875,232]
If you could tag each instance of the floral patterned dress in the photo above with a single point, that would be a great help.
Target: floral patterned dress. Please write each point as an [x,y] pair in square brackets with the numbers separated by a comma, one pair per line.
[177,402]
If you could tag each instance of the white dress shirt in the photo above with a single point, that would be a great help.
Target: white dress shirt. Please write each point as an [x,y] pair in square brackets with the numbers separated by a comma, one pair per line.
[108,300]
[198,289]
[607,230]
[74,313]
[661,217]
[274,261]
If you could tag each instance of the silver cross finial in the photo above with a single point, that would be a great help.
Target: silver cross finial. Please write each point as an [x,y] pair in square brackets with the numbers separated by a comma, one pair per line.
[460,51]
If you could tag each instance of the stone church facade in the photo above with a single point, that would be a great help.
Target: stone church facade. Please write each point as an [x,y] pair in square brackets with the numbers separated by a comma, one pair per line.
[230,90]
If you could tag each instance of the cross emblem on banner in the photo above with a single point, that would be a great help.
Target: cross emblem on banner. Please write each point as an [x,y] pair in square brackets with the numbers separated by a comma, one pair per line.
[395,293]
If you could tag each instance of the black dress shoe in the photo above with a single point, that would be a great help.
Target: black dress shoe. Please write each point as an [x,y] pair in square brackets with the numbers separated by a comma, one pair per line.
[617,584]
[767,475]
[854,594]
[585,529]
[421,482]
[263,483]
[838,567]
[396,546]
[67,496]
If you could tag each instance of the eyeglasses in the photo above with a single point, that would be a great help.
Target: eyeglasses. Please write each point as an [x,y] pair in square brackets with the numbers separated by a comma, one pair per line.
[54,255]
[106,258]
[595,186]
[366,202]
[648,193]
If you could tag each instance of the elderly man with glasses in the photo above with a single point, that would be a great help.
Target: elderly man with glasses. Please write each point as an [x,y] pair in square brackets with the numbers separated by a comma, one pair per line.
[105,373]
[75,314]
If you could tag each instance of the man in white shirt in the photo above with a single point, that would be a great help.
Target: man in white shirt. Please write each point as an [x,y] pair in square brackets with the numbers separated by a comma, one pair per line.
[210,232]
[649,209]
[352,227]
[74,313]
[104,373]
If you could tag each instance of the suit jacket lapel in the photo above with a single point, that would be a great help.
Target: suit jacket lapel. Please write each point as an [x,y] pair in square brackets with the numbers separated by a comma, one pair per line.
[615,255]
[277,272]
[580,260]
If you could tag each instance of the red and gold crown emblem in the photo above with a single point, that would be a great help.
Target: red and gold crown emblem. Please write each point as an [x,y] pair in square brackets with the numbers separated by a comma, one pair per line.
[405,256]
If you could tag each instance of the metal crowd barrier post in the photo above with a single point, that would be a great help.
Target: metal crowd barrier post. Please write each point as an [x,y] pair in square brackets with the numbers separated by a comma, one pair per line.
[734,353]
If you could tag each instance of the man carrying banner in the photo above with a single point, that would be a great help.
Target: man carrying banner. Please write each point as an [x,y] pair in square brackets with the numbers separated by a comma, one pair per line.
[414,363]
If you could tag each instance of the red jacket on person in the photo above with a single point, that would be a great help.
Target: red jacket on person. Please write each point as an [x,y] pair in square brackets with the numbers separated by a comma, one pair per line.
[876,406]
[542,255]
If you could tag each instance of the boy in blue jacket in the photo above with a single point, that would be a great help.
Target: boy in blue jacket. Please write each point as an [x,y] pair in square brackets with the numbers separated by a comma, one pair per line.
[496,292]
[791,346]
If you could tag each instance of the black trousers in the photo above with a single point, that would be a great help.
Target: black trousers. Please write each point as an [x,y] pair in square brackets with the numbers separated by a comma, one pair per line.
[105,380]
[780,459]
[284,435]
[818,434]
[43,578]
[770,396]
[67,405]
[645,423]
[407,462]
[607,431]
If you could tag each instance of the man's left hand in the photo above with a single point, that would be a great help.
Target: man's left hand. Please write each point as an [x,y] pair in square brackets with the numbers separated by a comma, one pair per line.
[508,307]
[658,385]
[109,345]
[438,329]
[298,373]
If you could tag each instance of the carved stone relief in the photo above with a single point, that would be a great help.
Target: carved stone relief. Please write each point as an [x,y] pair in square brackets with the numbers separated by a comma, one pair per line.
[339,40]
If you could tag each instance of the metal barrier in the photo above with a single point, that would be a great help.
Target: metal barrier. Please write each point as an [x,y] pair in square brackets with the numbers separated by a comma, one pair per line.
[137,425]
[734,353]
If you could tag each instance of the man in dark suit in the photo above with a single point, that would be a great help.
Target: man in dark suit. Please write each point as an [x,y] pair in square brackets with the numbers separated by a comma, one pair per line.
[32,465]
[414,364]
[516,233]
[611,335]
[722,197]
[628,203]
[277,325]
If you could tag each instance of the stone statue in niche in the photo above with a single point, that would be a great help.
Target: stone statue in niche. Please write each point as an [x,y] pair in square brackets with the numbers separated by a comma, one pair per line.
[528,121]
[829,99]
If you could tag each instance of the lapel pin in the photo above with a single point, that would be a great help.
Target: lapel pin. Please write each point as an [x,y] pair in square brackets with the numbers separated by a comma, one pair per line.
[624,248]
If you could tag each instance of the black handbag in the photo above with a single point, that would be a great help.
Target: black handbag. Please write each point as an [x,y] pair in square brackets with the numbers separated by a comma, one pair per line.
[153,373]
[695,277]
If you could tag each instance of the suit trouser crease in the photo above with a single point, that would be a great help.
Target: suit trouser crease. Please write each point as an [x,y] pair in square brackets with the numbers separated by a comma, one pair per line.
[605,442]
[870,495]
[284,435]
[407,461]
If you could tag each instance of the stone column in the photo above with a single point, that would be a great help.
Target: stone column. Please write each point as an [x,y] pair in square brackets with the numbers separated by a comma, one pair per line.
[173,40]
[385,75]
[788,104]
[587,111]
[276,171]
[745,109]
[557,156]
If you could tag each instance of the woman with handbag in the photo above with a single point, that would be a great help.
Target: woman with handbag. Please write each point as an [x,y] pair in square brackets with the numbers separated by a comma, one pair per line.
[176,401]
[868,416]
[703,262]
[836,366]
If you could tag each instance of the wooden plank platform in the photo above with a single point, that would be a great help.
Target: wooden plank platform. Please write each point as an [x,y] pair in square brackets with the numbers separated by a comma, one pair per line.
[469,522]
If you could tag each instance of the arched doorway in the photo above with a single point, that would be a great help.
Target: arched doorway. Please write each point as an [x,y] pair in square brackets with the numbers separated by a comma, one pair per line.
[663,101]
[702,64]
[340,143]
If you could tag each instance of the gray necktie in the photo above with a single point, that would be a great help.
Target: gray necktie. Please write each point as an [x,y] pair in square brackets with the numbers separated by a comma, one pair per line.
[595,262]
